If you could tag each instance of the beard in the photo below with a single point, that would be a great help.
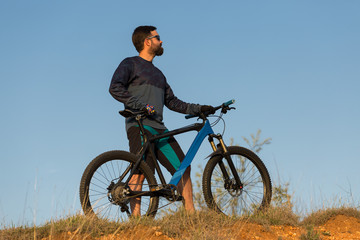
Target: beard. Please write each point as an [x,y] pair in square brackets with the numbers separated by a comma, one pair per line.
[157,51]
[160,51]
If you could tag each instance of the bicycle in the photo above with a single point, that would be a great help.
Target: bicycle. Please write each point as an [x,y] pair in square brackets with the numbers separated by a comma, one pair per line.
[235,181]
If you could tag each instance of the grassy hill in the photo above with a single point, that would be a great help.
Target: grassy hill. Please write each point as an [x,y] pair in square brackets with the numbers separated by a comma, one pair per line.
[275,223]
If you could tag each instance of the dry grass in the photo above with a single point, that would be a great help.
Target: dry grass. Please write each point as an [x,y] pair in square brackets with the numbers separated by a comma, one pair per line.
[321,216]
[78,223]
[200,225]
[179,225]
[276,216]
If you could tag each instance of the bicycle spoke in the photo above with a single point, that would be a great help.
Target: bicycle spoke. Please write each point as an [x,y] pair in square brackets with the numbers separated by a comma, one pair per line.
[112,167]
[105,184]
[104,198]
[227,195]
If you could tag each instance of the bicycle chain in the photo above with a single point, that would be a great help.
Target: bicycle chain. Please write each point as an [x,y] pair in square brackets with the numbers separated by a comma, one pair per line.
[175,196]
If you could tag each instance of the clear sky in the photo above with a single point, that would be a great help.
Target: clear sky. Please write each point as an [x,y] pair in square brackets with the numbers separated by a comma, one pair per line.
[293,68]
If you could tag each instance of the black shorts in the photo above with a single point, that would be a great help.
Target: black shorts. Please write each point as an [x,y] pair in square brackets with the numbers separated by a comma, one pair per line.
[167,150]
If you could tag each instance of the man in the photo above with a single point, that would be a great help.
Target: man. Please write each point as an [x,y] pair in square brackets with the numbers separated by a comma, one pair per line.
[140,85]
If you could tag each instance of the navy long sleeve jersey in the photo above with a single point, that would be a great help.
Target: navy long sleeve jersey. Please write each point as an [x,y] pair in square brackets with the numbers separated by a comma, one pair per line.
[137,82]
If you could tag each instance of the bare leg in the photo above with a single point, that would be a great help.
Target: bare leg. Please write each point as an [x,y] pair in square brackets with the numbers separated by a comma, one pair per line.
[185,188]
[135,184]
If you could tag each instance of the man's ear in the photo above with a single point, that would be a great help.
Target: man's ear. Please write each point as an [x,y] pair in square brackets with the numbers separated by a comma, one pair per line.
[147,42]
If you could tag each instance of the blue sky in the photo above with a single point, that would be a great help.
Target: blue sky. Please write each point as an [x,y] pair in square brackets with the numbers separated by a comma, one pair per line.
[292,67]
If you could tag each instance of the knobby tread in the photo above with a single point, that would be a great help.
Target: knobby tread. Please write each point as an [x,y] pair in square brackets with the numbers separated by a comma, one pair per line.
[104,158]
[236,150]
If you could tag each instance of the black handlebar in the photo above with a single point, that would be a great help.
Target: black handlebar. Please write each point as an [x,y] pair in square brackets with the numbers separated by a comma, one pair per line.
[225,107]
[142,113]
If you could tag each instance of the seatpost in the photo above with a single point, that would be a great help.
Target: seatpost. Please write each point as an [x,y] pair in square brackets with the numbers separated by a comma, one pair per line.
[142,130]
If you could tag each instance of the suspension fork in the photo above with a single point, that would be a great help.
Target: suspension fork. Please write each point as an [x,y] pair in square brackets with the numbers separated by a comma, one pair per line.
[225,153]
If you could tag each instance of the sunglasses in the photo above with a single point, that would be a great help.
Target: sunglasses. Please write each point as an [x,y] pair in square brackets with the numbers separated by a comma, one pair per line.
[156,36]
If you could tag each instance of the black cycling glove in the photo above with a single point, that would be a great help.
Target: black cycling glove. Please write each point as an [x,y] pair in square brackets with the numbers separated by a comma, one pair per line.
[207,109]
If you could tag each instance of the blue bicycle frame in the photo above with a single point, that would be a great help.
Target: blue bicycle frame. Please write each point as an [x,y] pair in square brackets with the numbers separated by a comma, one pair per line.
[204,129]
[189,157]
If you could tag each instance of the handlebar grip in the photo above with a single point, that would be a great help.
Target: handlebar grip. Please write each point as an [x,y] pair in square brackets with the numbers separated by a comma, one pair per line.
[229,102]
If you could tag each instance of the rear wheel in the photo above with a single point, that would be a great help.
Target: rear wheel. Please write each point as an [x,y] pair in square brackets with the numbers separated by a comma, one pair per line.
[102,190]
[225,195]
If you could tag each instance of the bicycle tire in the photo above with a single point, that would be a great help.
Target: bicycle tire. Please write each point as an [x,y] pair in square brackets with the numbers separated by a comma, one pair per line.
[256,192]
[96,179]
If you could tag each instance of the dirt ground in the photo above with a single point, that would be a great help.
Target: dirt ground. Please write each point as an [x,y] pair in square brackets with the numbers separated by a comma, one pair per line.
[339,227]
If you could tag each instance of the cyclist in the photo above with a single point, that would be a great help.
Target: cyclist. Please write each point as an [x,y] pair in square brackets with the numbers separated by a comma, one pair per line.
[138,84]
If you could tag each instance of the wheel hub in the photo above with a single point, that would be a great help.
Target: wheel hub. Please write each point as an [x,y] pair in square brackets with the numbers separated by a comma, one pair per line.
[118,193]
[233,188]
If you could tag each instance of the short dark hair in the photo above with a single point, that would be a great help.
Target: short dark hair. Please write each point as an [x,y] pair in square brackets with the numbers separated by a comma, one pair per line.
[140,34]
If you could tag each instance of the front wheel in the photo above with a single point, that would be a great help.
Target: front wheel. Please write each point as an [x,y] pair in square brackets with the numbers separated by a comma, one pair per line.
[103,192]
[221,191]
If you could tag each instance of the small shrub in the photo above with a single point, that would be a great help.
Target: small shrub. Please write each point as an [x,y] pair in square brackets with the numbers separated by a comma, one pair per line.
[310,235]
[276,216]
[322,216]
[202,224]
[281,196]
